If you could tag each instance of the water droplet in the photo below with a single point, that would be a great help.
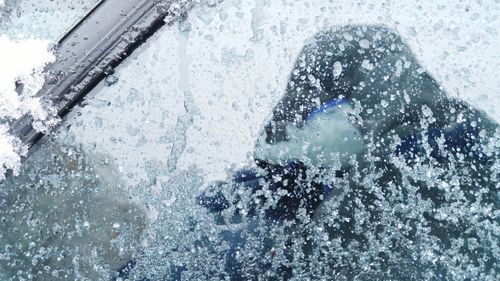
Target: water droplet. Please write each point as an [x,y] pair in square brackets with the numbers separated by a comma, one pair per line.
[348,36]
[98,122]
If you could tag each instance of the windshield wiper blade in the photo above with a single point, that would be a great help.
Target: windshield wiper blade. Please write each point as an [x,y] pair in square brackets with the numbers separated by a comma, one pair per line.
[98,42]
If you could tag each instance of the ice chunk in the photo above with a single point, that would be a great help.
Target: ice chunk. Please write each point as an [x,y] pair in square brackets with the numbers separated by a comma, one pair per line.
[110,80]
[337,69]
[365,44]
[25,60]
[367,65]
[10,152]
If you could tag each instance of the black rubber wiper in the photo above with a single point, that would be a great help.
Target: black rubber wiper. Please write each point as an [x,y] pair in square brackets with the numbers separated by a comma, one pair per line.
[97,43]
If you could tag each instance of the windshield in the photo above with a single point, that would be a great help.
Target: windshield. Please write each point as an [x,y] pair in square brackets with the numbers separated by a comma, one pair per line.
[272,140]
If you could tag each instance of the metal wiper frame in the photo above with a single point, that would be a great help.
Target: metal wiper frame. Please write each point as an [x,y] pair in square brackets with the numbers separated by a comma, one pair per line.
[96,44]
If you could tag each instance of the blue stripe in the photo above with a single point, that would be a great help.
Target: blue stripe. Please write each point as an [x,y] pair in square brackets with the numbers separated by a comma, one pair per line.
[324,107]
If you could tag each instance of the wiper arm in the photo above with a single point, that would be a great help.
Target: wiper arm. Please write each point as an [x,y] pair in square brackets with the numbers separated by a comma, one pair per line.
[100,41]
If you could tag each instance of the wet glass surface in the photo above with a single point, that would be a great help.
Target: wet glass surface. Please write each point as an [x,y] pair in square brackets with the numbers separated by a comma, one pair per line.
[275,141]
